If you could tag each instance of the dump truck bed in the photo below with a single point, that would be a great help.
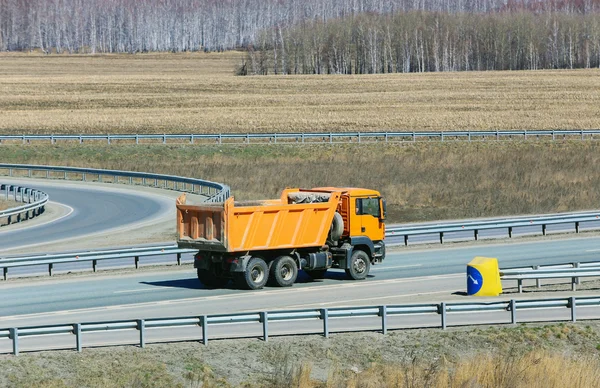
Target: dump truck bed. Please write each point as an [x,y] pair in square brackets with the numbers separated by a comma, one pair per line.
[299,219]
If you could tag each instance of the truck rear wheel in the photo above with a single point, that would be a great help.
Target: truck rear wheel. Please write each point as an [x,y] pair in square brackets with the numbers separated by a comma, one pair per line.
[359,265]
[284,272]
[255,276]
[210,280]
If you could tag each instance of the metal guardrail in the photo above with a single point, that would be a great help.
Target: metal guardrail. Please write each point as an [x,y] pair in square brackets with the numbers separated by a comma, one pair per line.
[574,271]
[405,231]
[143,326]
[35,202]
[323,137]
[498,223]
[91,256]
[216,192]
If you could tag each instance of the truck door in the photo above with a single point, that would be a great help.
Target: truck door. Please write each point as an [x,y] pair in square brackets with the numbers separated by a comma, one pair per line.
[369,212]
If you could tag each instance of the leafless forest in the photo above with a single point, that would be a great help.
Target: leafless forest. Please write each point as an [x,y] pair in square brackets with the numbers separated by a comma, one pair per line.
[419,41]
[115,26]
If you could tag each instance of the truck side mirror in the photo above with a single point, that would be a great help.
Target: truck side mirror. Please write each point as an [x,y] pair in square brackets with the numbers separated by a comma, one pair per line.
[382,209]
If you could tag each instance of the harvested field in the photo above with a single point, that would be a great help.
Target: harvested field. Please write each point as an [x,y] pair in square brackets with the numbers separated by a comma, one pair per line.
[199,93]
[424,181]
[532,356]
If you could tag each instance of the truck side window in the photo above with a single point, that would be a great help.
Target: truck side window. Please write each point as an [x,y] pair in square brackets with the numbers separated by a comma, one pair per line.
[368,206]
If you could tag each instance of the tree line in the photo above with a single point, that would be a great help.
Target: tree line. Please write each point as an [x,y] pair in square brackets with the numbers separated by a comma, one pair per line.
[130,26]
[420,41]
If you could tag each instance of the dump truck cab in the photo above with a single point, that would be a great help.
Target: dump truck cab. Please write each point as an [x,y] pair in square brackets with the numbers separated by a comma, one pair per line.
[253,242]
[363,215]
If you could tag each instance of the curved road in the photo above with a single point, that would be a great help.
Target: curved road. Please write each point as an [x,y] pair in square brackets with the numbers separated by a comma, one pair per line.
[90,210]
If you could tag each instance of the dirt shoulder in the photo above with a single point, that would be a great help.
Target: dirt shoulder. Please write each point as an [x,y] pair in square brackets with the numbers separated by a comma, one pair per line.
[254,363]
[7,204]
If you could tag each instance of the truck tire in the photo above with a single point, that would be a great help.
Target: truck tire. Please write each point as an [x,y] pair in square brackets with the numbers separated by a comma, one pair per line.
[316,273]
[359,265]
[284,272]
[210,280]
[255,276]
[337,227]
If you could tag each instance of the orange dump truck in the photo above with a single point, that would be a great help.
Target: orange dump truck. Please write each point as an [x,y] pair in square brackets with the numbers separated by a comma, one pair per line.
[256,242]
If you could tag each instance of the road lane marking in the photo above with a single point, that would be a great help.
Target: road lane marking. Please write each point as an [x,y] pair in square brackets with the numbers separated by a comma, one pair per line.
[396,267]
[137,290]
[366,299]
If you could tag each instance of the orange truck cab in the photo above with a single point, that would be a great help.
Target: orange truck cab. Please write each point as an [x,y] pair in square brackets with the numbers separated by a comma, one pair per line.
[269,241]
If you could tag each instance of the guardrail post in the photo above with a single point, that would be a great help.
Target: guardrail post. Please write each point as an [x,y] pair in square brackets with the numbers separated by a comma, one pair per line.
[442,312]
[179,259]
[441,237]
[573,305]
[476,234]
[520,285]
[137,262]
[406,240]
[94,265]
[575,281]
[325,318]
[204,323]
[14,335]
[383,314]
[510,232]
[137,139]
[513,312]
[538,281]
[577,227]
[108,139]
[543,229]
[50,267]
[141,325]
[5,270]
[77,332]
[265,324]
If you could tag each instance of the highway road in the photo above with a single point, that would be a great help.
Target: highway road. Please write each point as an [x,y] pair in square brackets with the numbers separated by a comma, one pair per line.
[406,276]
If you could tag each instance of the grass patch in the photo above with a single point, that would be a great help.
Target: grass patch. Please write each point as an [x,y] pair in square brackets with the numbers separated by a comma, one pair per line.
[424,181]
[198,92]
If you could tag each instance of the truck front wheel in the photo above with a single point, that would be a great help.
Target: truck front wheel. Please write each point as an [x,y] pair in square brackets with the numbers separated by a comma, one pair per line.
[210,280]
[284,271]
[359,265]
[255,276]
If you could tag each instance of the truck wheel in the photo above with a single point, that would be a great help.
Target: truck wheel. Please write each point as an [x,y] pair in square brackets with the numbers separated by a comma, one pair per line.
[210,280]
[316,273]
[256,275]
[284,271]
[337,227]
[359,265]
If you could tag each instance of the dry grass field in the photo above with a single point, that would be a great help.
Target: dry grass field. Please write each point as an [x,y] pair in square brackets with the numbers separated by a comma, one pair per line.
[199,93]
[6,204]
[545,356]
[423,181]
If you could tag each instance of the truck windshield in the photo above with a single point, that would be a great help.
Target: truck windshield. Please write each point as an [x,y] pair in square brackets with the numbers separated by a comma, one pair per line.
[368,206]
